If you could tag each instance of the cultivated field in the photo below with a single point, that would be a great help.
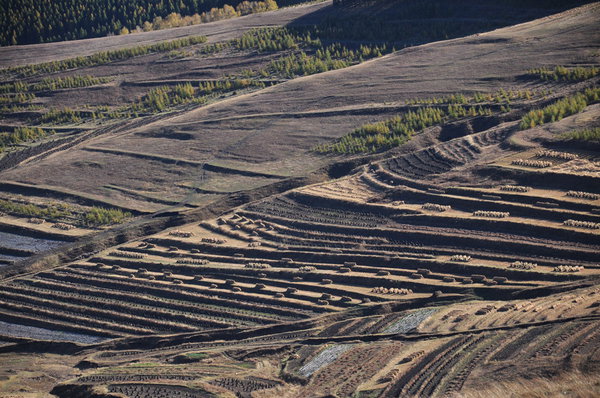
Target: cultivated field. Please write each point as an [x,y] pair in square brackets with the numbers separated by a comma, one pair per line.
[209,222]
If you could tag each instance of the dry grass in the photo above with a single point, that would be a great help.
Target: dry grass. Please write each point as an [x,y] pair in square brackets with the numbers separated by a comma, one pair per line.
[572,385]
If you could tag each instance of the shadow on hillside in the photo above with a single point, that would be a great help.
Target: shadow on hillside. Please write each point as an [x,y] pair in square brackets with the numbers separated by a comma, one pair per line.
[407,23]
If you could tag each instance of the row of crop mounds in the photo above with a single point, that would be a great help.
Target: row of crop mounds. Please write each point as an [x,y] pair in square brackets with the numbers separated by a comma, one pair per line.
[99,300]
[293,223]
[299,254]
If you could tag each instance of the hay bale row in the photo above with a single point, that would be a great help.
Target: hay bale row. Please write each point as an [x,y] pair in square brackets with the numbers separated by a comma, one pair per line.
[126,254]
[485,310]
[514,188]
[556,155]
[181,234]
[257,266]
[522,265]
[582,224]
[34,220]
[393,290]
[539,164]
[583,195]
[568,268]
[191,261]
[491,214]
[460,257]
[435,207]
[307,268]
[213,241]
[62,226]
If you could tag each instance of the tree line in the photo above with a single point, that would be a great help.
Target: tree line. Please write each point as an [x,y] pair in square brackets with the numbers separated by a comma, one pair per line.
[42,21]
[564,74]
[383,135]
[103,57]
[560,109]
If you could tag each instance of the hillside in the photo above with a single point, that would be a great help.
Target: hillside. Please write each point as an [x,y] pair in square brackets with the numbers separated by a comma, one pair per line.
[277,205]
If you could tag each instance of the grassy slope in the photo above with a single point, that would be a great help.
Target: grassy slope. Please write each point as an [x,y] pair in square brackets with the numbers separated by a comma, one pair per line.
[279,144]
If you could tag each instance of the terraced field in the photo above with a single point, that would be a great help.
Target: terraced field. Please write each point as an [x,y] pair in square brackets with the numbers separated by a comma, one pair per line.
[426,229]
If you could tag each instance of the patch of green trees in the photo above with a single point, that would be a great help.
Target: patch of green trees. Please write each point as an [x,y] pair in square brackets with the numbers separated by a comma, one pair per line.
[93,217]
[583,135]
[380,136]
[560,109]
[564,74]
[21,135]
